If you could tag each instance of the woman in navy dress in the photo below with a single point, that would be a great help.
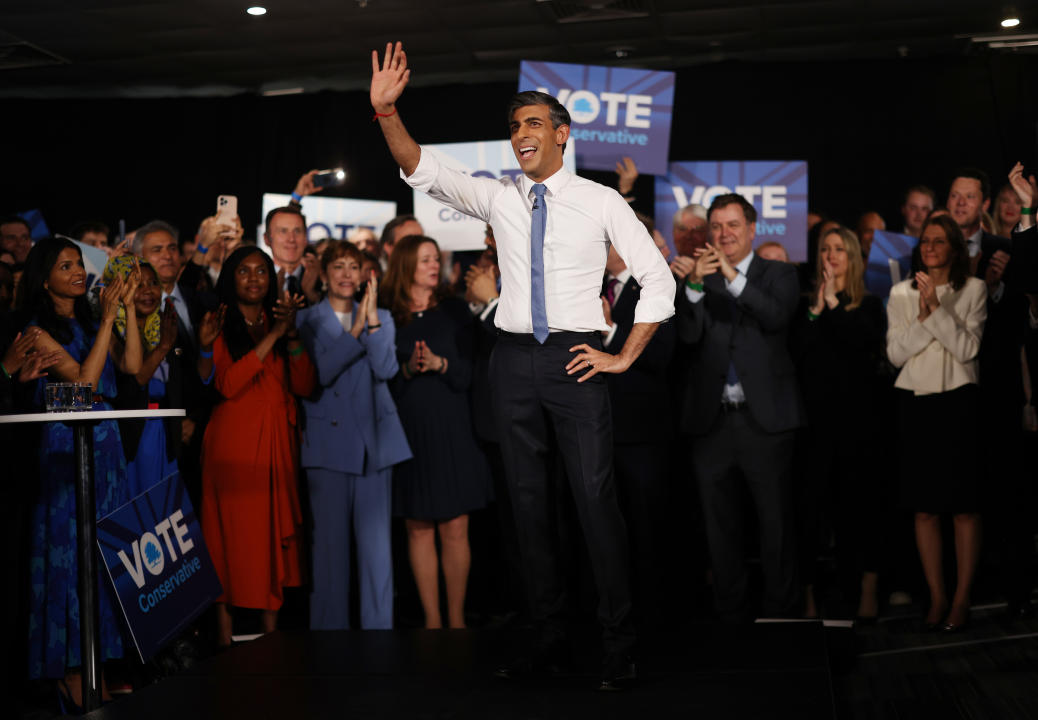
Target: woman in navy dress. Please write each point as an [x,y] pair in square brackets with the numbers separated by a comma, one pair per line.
[53,295]
[449,476]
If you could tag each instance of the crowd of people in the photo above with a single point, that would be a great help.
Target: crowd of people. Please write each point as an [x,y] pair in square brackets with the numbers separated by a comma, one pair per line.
[352,377]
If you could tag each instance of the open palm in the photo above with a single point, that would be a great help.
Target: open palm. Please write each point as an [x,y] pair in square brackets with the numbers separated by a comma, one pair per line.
[389,80]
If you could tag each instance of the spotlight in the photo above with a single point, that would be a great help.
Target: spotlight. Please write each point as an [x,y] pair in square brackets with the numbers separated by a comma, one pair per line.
[1010,22]
[256,10]
[1010,18]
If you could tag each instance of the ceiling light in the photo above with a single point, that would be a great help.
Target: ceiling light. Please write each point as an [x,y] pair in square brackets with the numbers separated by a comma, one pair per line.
[256,10]
[1010,18]
[1010,22]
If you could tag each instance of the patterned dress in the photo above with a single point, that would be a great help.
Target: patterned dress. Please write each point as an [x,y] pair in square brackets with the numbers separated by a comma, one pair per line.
[54,567]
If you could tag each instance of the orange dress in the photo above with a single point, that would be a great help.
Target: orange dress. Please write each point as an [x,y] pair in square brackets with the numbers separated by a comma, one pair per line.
[251,517]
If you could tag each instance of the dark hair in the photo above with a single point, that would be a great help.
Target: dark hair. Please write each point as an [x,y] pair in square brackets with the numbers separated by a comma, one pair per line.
[341,248]
[721,201]
[88,226]
[9,219]
[235,332]
[959,271]
[975,174]
[288,210]
[35,302]
[556,111]
[387,232]
[395,292]
[919,189]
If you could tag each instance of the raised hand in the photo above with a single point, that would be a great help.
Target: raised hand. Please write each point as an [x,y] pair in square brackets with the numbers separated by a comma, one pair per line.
[168,326]
[305,185]
[371,301]
[285,313]
[1024,187]
[111,297]
[628,173]
[133,280]
[707,262]
[480,284]
[311,274]
[928,301]
[829,285]
[389,80]
[212,324]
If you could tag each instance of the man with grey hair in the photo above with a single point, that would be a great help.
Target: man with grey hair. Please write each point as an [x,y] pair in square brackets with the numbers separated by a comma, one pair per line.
[156,243]
[690,234]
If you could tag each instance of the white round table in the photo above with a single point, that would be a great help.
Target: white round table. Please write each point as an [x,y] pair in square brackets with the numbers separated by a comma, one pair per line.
[86,527]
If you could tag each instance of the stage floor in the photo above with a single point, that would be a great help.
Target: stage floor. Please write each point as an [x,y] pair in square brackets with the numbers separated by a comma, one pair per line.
[776,670]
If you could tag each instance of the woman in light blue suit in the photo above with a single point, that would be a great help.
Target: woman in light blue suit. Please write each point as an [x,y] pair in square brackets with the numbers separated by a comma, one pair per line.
[351,440]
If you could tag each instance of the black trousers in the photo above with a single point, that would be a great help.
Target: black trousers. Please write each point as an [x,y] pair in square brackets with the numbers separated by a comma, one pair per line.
[736,442]
[533,396]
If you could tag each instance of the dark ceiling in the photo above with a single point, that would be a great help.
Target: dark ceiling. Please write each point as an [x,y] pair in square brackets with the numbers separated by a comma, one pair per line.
[153,48]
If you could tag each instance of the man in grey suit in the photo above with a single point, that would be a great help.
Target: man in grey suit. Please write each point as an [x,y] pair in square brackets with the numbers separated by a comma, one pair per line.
[743,404]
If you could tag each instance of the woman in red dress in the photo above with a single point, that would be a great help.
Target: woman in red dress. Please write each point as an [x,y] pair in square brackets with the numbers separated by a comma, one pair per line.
[250,458]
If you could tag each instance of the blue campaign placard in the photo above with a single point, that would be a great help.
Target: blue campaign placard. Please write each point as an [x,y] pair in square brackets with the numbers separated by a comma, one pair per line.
[777,189]
[158,563]
[890,260]
[615,111]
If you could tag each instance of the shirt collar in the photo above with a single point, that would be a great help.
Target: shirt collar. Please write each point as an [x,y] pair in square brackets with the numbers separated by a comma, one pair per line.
[177,297]
[744,264]
[623,276]
[555,183]
[973,242]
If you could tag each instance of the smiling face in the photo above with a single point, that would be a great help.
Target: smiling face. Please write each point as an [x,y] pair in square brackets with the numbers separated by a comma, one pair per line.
[427,266]
[159,249]
[67,279]
[251,279]
[536,144]
[966,202]
[16,240]
[1009,205]
[287,239]
[343,276]
[149,292]
[917,206]
[731,233]
[934,248]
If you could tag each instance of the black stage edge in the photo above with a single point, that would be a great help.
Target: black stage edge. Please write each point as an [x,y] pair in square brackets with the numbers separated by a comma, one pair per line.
[775,670]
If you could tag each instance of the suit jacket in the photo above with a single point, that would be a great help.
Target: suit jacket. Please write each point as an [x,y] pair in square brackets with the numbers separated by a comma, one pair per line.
[640,397]
[1001,381]
[752,331]
[351,414]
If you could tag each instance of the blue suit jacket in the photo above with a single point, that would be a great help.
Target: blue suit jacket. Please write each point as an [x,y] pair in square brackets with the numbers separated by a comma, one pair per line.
[351,414]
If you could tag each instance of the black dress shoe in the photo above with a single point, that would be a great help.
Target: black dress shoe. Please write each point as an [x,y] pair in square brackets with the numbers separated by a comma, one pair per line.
[618,672]
[544,661]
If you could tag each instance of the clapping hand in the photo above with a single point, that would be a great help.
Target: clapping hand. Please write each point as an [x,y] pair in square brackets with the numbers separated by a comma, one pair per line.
[111,297]
[366,311]
[430,361]
[212,324]
[707,262]
[389,81]
[928,301]
[480,285]
[168,326]
[133,280]
[415,363]
[996,268]
[285,312]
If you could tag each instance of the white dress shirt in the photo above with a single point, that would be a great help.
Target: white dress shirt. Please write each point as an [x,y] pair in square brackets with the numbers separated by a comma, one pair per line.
[940,353]
[731,393]
[583,218]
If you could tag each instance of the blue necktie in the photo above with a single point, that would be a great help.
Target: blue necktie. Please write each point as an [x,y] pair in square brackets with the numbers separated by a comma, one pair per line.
[539,221]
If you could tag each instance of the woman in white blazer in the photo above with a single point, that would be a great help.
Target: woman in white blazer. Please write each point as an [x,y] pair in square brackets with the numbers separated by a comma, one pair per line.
[935,323]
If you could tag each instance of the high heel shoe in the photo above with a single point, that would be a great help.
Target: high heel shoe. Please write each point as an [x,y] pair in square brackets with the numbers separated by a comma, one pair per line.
[67,705]
[950,627]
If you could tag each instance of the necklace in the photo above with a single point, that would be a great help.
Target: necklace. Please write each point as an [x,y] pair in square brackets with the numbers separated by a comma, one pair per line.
[253,324]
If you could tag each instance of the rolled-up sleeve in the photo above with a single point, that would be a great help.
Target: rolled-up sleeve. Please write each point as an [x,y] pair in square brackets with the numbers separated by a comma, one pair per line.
[473,196]
[635,246]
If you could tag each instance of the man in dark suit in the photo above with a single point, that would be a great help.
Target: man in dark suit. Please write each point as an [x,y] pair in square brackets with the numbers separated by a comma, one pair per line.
[640,400]
[742,404]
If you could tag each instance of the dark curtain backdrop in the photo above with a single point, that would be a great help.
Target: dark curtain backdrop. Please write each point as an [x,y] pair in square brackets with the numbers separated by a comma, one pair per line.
[868,130]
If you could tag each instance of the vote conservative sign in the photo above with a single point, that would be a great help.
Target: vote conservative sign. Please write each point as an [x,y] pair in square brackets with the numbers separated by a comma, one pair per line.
[158,563]
[493,159]
[614,111]
[331,217]
[777,189]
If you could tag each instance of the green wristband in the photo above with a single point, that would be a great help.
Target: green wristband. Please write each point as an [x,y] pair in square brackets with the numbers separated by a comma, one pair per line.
[698,287]
[1026,211]
[296,351]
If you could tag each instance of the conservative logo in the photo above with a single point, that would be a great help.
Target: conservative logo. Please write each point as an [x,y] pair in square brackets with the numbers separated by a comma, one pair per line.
[615,112]
[158,563]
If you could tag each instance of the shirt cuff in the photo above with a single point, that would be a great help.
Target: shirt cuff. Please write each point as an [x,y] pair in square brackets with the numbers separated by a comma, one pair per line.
[489,308]
[693,295]
[424,174]
[735,287]
[998,292]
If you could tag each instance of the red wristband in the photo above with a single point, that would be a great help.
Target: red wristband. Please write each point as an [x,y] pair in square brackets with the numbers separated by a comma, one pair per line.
[378,115]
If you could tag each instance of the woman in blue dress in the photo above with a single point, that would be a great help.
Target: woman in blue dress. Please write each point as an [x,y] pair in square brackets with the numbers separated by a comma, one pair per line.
[52,295]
